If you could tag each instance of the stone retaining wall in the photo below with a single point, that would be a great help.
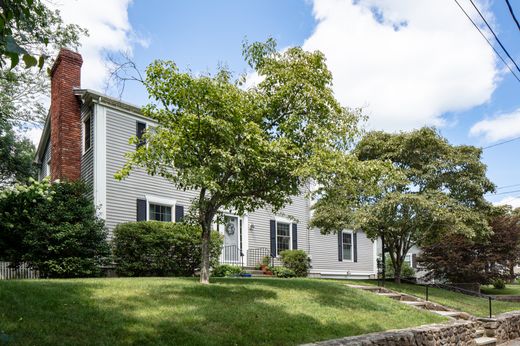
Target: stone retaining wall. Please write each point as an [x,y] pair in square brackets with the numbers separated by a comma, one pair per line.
[451,333]
[504,327]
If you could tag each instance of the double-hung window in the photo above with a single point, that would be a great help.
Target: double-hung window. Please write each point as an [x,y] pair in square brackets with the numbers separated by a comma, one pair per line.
[346,240]
[283,237]
[159,212]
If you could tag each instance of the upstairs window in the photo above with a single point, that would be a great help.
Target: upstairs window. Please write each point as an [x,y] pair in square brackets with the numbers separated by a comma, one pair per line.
[86,134]
[160,212]
[283,237]
[139,132]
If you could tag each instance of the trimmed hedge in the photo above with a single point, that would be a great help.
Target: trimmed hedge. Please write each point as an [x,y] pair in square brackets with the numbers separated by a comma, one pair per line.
[297,261]
[154,248]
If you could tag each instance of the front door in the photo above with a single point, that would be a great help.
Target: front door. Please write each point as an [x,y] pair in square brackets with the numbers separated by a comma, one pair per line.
[231,239]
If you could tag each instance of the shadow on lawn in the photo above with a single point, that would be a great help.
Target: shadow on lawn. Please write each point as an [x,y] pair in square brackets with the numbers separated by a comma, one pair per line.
[113,311]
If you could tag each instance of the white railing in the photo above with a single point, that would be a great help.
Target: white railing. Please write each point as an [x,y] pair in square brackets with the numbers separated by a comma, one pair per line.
[22,272]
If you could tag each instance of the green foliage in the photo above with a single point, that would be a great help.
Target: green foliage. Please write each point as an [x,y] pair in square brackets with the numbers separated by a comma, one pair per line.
[154,248]
[296,260]
[432,190]
[53,228]
[226,270]
[30,33]
[499,284]
[406,270]
[16,157]
[283,272]
[266,260]
[243,149]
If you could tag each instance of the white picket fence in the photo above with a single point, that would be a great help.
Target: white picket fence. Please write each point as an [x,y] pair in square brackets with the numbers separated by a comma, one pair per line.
[22,272]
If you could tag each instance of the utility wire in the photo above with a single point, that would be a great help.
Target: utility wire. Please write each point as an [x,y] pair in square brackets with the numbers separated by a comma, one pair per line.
[507,186]
[504,142]
[489,43]
[503,193]
[512,14]
[493,32]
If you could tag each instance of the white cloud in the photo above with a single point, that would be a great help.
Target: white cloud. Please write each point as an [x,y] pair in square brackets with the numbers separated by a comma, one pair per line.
[512,201]
[33,134]
[109,30]
[407,61]
[502,126]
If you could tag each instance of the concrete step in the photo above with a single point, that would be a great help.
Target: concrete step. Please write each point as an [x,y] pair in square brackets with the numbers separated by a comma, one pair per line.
[484,340]
[446,313]
[479,333]
[396,296]
[413,302]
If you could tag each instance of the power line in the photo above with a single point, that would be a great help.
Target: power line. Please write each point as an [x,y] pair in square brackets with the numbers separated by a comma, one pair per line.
[507,186]
[512,14]
[487,40]
[493,32]
[504,193]
[504,142]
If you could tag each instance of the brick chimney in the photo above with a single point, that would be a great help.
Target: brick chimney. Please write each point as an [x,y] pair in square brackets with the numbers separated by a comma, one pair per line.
[65,116]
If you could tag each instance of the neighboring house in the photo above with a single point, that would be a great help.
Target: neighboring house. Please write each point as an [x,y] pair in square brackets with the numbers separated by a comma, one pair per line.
[86,137]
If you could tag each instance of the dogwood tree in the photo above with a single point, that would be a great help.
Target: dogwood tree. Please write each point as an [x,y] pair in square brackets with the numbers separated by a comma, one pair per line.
[243,148]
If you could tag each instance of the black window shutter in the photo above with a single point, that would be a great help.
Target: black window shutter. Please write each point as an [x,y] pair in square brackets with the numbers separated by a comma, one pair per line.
[294,236]
[179,213]
[141,210]
[140,128]
[273,237]
[354,241]
[414,261]
[340,246]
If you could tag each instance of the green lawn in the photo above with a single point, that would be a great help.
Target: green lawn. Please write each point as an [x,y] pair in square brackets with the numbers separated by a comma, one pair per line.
[510,290]
[473,305]
[179,311]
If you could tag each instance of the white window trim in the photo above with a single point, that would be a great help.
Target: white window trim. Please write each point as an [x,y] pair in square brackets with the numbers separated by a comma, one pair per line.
[168,202]
[351,247]
[83,131]
[48,168]
[286,221]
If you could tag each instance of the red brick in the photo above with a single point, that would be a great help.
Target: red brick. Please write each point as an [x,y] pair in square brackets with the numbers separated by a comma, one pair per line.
[65,115]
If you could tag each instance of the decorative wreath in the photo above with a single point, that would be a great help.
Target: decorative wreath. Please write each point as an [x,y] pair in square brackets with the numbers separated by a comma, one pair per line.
[230,228]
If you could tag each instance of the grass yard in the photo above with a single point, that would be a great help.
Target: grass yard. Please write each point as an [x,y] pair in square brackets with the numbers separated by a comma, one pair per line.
[510,290]
[179,311]
[473,305]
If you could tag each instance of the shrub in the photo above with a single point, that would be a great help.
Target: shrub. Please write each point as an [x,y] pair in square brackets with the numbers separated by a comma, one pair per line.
[223,270]
[406,270]
[283,272]
[499,284]
[155,248]
[52,227]
[297,261]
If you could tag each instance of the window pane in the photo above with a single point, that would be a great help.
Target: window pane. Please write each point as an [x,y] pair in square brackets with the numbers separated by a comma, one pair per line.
[347,238]
[160,212]
[347,252]
[283,229]
[86,142]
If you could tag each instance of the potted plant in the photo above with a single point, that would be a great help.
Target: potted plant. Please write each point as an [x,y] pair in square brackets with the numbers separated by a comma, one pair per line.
[264,265]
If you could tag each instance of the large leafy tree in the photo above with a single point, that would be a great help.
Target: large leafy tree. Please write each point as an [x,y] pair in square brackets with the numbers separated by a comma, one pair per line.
[30,32]
[242,149]
[436,189]
[16,156]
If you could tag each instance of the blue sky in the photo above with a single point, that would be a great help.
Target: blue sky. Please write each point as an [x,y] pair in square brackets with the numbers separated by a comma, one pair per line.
[410,63]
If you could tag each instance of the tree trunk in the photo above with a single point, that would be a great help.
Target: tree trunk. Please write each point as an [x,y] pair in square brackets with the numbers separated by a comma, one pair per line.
[204,266]
[397,272]
[512,272]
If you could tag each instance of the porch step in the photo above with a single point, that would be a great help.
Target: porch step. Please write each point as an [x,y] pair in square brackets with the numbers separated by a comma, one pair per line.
[479,333]
[484,340]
